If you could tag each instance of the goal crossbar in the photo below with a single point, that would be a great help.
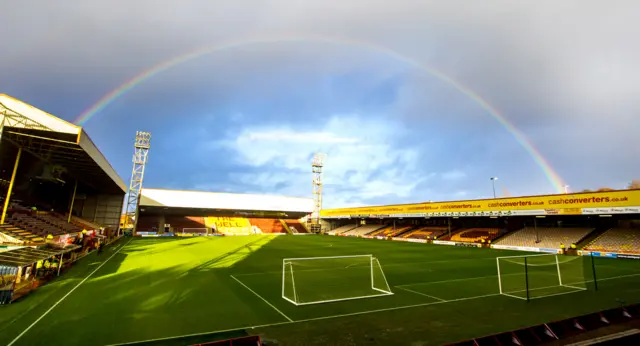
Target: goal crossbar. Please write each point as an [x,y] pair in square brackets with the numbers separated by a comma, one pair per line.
[325,257]
[536,255]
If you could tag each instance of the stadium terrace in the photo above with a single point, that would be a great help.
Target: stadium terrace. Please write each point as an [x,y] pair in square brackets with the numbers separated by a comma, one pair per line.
[207,268]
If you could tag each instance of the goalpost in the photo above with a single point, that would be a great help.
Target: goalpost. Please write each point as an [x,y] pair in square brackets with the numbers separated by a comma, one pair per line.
[536,276]
[318,280]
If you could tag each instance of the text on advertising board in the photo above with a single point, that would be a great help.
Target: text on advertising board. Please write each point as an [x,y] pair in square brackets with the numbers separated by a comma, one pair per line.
[570,203]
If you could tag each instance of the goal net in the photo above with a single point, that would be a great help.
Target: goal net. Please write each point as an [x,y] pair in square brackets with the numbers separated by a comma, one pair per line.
[537,276]
[330,279]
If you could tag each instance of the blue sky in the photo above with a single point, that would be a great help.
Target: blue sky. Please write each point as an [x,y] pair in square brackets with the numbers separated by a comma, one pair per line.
[249,119]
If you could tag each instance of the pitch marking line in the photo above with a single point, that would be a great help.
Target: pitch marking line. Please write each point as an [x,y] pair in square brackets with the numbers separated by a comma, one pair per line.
[66,295]
[420,293]
[305,320]
[259,296]
[344,315]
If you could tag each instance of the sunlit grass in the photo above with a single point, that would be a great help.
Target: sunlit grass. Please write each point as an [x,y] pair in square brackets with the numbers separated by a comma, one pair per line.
[159,288]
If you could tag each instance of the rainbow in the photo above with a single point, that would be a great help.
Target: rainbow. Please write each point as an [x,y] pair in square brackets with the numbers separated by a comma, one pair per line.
[552,176]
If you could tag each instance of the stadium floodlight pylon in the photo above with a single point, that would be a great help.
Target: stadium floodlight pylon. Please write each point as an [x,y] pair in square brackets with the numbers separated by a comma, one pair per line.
[316,168]
[316,280]
[537,276]
[140,154]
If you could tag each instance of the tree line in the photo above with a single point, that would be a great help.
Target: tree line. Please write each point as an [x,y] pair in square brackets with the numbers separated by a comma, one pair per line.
[633,185]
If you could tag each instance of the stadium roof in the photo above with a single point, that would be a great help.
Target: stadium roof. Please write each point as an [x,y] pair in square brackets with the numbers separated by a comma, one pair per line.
[223,201]
[57,142]
[581,203]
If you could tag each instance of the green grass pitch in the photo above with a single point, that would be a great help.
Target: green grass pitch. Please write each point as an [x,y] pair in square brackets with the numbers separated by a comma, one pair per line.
[187,290]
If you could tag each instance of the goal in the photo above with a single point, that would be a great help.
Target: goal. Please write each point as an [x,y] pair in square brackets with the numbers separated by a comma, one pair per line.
[318,280]
[536,276]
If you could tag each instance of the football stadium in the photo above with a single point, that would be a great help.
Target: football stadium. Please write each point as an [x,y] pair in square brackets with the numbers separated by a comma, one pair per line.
[207,268]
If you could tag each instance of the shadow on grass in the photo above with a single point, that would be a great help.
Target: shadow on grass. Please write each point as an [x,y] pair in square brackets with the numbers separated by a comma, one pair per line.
[162,288]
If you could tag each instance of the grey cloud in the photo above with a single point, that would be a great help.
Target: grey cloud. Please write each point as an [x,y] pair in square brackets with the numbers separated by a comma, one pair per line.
[565,73]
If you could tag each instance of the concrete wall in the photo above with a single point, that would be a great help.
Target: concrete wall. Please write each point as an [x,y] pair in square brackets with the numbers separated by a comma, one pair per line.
[104,210]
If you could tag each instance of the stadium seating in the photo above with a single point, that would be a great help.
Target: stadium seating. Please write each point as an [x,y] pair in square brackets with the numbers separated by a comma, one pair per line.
[390,231]
[295,226]
[84,224]
[547,237]
[429,232]
[363,230]
[475,235]
[268,225]
[30,226]
[146,225]
[19,234]
[232,225]
[57,221]
[41,225]
[192,224]
[342,229]
[618,240]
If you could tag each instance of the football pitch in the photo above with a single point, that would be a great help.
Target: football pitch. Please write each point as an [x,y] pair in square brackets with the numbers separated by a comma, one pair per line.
[180,291]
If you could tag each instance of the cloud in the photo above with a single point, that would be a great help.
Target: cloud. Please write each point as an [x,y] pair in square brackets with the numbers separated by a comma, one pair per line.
[249,118]
[453,175]
[361,157]
[288,136]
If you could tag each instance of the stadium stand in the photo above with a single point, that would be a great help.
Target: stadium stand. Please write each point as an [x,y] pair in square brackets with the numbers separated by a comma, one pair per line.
[200,225]
[147,225]
[391,231]
[231,225]
[428,232]
[342,229]
[15,234]
[186,212]
[54,179]
[475,235]
[617,240]
[7,235]
[39,223]
[186,224]
[545,237]
[84,224]
[295,226]
[362,230]
[267,225]
[29,226]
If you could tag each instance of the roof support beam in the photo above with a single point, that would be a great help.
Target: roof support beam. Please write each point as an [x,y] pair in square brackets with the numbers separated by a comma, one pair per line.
[12,118]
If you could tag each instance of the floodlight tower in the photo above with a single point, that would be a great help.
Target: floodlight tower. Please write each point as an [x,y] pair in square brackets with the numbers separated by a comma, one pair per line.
[316,167]
[140,154]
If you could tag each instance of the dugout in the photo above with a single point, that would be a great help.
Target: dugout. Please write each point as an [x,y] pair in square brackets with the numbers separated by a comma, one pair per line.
[21,269]
[51,164]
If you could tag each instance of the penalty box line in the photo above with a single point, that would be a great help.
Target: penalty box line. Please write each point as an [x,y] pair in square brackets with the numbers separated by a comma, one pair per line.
[263,299]
[345,315]
[420,293]
[304,320]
